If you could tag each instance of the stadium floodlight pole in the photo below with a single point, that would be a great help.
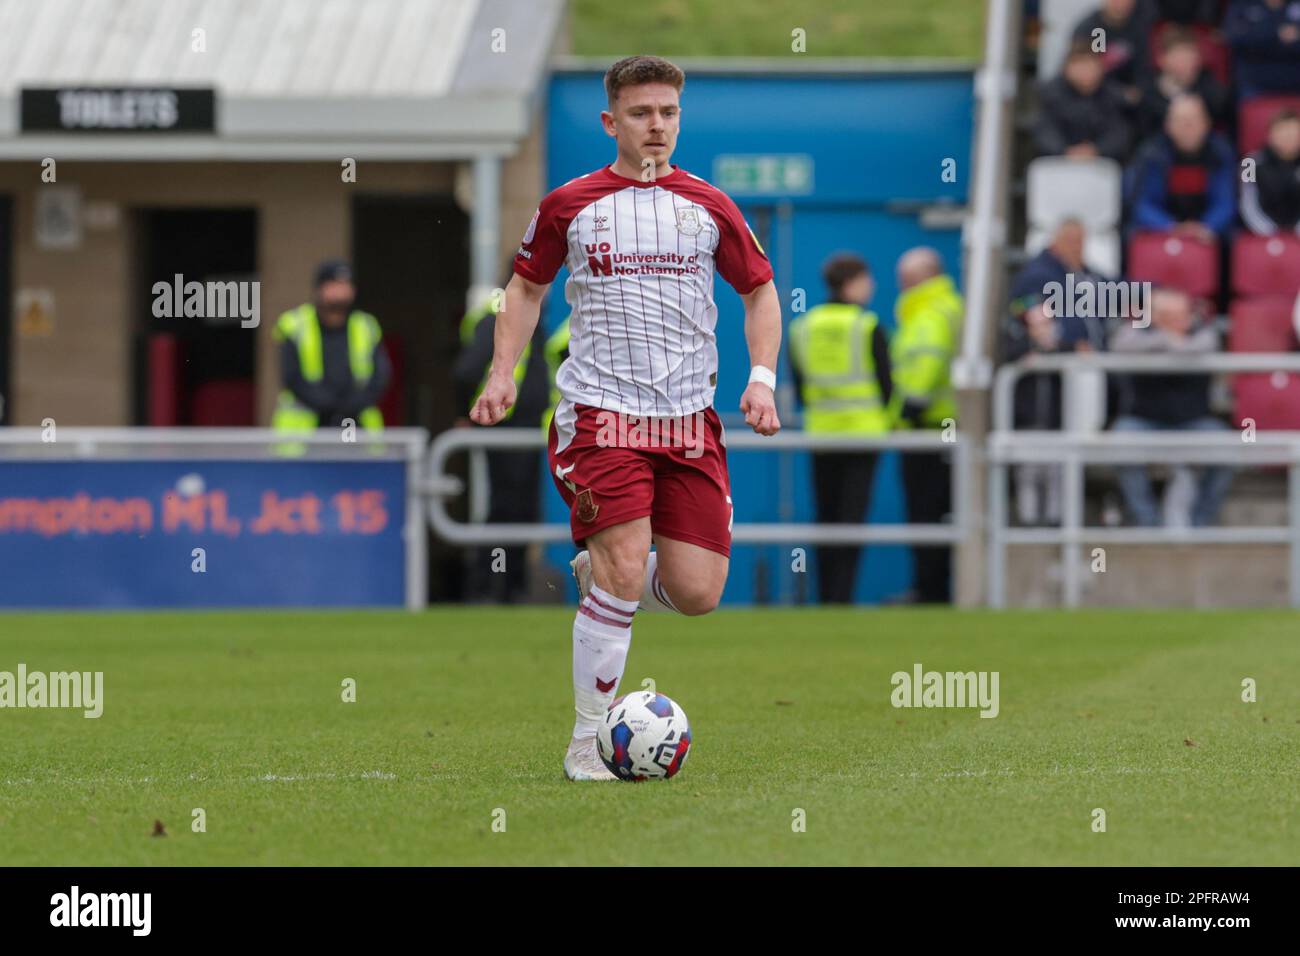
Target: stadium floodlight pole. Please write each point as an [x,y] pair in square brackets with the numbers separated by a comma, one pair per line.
[984,238]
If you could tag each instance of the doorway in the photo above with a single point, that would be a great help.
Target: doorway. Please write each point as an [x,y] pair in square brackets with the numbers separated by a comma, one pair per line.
[6,298]
[410,255]
[193,369]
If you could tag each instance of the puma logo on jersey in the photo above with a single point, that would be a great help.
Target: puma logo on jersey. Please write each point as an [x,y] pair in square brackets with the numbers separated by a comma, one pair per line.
[561,472]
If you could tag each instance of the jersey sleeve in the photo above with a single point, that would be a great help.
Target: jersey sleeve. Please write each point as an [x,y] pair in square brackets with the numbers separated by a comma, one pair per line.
[543,248]
[740,259]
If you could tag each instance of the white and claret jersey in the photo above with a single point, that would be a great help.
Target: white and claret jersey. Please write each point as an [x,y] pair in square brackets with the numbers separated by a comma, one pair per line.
[641,258]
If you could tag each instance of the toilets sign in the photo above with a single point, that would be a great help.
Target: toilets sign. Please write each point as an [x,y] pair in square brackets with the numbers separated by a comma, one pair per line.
[120,109]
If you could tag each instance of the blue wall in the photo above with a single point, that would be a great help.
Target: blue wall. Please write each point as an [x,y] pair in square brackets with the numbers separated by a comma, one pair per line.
[878,145]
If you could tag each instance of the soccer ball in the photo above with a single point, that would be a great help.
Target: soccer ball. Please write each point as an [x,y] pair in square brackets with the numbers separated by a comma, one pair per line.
[645,736]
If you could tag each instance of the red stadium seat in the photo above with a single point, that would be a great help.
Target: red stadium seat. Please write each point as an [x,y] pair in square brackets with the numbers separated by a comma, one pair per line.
[1182,262]
[1261,324]
[1266,265]
[1271,399]
[1215,54]
[1253,116]
[226,403]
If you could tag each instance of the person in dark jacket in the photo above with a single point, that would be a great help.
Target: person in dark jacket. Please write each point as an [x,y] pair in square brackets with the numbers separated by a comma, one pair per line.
[1207,12]
[513,475]
[1080,114]
[1181,70]
[1170,402]
[325,348]
[1185,178]
[1120,32]
[1265,39]
[1270,200]
[1034,327]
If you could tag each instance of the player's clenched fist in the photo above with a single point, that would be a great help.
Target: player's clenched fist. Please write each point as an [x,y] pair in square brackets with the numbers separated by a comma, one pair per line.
[759,405]
[497,398]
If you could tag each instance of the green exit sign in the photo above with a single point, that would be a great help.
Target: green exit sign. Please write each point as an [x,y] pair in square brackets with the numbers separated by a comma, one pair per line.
[759,174]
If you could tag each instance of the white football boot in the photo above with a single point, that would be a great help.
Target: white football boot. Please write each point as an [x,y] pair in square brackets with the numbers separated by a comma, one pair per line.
[581,566]
[582,762]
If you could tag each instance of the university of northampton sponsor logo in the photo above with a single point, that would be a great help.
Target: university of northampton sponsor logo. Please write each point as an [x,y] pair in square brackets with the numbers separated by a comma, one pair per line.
[688,221]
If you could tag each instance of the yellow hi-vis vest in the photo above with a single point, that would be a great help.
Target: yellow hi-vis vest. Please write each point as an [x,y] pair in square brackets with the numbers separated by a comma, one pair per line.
[831,347]
[555,347]
[302,327]
[929,320]
[468,325]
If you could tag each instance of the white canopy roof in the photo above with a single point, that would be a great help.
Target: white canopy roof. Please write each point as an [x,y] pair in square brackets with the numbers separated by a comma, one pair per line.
[294,79]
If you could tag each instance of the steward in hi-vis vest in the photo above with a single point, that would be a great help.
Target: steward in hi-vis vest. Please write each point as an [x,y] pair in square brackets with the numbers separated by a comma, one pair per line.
[929,312]
[332,363]
[514,475]
[557,350]
[840,358]
[469,328]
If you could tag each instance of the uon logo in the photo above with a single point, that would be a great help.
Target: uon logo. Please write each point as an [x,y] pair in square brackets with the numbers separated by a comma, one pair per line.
[603,265]
[532,228]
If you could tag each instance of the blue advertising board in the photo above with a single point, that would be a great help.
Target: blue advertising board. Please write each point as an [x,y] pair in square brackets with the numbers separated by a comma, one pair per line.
[199,533]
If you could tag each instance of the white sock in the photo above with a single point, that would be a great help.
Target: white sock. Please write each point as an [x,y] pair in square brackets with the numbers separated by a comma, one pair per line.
[602,634]
[653,595]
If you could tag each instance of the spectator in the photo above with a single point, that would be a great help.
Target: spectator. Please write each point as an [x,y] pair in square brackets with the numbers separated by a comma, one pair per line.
[1181,71]
[1120,32]
[1170,402]
[1080,114]
[1265,39]
[1033,327]
[1184,178]
[1270,203]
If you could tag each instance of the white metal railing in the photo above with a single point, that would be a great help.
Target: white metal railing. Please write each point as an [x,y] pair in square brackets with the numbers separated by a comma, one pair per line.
[440,485]
[1075,450]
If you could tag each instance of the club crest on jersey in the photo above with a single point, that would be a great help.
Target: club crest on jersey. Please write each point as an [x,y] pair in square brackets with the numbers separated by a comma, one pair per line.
[688,221]
[586,507]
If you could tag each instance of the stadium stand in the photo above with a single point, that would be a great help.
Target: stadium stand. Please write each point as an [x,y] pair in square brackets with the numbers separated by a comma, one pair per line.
[1247,284]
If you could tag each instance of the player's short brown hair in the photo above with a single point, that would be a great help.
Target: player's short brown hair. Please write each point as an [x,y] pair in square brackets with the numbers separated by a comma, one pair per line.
[636,70]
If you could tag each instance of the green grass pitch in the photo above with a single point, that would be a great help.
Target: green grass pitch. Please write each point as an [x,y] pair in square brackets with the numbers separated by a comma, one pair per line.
[461,713]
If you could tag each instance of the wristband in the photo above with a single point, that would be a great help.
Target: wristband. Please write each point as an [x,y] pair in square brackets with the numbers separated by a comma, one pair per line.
[761,373]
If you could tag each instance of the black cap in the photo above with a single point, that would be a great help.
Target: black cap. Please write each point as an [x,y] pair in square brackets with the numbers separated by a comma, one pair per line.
[332,270]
